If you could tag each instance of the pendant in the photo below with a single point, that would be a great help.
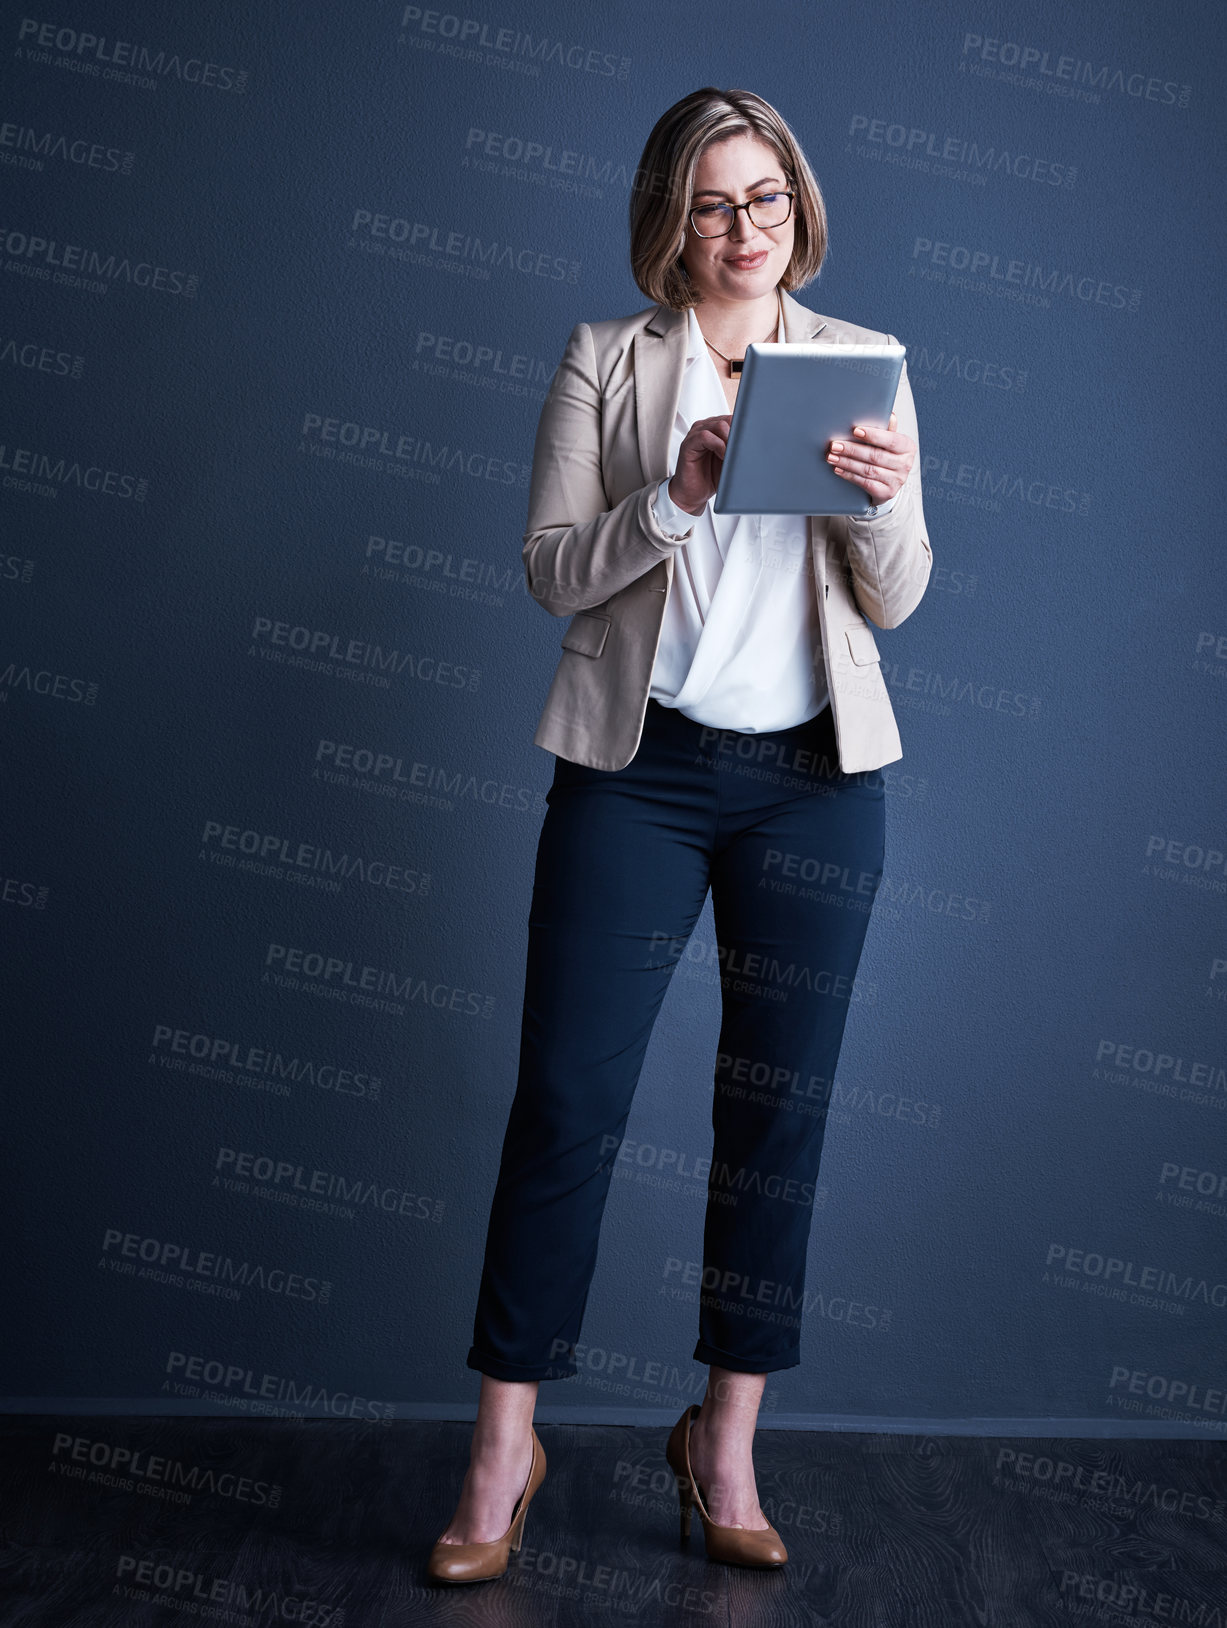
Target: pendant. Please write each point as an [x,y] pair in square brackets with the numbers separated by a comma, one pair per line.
[736,367]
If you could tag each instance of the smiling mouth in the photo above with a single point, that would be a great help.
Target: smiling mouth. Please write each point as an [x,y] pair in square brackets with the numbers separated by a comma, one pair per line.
[748,261]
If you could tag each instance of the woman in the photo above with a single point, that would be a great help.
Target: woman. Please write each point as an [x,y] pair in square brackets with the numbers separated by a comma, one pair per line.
[716,717]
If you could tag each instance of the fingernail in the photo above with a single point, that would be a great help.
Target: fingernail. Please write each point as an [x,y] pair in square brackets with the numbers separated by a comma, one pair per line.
[837,446]
[858,430]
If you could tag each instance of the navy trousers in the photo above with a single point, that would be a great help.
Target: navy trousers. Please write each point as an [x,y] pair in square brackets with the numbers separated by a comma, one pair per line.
[791,849]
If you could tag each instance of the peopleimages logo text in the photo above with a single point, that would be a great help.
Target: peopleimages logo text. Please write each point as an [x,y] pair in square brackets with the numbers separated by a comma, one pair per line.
[1064,73]
[471,33]
[97,55]
[1110,1269]
[77,265]
[162,1257]
[1090,290]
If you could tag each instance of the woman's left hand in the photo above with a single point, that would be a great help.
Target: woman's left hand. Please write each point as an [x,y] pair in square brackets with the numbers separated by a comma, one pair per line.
[875,459]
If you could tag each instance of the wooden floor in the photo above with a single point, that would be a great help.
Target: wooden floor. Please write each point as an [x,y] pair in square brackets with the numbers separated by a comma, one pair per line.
[132,1521]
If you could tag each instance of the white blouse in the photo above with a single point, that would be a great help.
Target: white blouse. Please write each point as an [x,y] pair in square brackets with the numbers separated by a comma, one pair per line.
[741,646]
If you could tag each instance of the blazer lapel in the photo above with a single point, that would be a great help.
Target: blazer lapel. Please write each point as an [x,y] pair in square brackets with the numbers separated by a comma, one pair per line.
[660,358]
[801,325]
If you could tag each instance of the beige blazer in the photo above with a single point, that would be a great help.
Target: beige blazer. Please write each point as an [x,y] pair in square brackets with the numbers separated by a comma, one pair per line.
[593,550]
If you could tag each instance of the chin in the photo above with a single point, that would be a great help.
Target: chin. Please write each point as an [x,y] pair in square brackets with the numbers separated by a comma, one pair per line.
[760,279]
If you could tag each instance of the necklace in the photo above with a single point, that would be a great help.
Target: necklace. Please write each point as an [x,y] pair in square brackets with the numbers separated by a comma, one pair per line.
[737,363]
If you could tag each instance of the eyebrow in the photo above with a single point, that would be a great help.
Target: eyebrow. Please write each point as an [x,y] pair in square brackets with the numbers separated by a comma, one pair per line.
[716,193]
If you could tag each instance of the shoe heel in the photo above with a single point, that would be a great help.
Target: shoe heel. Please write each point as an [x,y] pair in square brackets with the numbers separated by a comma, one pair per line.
[686,1506]
[675,1456]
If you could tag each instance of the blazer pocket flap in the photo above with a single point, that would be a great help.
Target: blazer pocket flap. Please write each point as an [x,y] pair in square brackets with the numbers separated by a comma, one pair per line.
[586,634]
[861,644]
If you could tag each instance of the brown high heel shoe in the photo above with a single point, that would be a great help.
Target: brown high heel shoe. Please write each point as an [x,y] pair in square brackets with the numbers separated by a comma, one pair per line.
[475,1562]
[734,1545]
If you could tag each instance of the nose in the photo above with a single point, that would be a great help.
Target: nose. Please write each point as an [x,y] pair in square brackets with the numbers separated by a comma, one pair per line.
[743,228]
[745,237]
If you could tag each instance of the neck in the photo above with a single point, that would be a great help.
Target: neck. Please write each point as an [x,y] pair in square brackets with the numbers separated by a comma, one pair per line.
[731,325]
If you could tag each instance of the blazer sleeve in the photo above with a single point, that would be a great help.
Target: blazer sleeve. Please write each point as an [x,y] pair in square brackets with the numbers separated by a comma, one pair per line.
[889,557]
[578,551]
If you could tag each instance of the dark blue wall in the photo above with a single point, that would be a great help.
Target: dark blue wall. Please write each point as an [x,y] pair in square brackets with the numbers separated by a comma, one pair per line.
[269,676]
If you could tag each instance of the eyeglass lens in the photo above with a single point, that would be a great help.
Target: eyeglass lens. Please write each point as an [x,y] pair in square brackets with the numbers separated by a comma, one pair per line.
[714,220]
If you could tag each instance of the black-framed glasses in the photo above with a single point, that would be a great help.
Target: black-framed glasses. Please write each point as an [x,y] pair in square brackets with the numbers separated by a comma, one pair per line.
[768,210]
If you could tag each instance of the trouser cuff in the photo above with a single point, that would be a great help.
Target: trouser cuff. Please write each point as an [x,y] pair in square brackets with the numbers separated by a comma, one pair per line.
[498,1369]
[712,1354]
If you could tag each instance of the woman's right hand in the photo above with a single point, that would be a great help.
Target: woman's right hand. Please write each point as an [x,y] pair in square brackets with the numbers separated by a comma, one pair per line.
[700,459]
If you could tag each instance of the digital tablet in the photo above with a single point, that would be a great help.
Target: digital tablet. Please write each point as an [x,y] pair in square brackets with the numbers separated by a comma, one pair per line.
[791,402]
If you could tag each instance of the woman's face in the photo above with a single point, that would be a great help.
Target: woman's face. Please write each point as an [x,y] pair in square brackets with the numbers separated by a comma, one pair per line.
[749,261]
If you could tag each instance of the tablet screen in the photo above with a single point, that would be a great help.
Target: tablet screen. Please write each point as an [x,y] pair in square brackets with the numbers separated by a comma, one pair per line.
[793,400]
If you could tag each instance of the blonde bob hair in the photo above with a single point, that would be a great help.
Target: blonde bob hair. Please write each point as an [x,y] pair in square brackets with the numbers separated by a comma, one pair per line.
[664,183]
